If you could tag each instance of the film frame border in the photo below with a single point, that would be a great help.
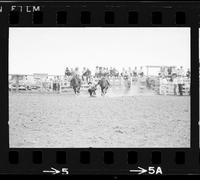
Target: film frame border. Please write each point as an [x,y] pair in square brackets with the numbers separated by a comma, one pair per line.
[108,161]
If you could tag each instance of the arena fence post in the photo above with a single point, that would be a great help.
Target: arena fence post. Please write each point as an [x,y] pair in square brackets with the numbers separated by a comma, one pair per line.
[17,83]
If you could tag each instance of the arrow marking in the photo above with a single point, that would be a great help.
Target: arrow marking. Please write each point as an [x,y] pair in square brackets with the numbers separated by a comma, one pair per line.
[53,171]
[139,170]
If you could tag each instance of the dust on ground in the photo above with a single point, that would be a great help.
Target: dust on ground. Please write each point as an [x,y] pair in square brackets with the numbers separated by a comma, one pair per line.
[51,120]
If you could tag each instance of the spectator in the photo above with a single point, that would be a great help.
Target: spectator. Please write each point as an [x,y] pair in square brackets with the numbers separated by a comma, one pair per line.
[126,75]
[55,84]
[116,72]
[88,74]
[123,72]
[84,70]
[180,85]
[84,73]
[130,71]
[135,73]
[97,72]
[107,72]
[165,71]
[163,85]
[72,71]
[67,72]
[76,72]
[175,83]
[181,71]
[174,72]
[141,73]
[104,71]
[188,73]
[100,71]
[111,72]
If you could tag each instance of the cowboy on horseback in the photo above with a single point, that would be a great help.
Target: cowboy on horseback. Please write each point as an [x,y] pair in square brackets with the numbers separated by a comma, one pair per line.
[104,84]
[75,82]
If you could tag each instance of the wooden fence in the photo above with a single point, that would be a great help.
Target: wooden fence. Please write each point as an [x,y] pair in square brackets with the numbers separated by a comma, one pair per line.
[171,89]
[45,84]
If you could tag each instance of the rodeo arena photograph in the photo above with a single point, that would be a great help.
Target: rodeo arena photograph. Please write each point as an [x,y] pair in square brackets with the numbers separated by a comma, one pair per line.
[99,87]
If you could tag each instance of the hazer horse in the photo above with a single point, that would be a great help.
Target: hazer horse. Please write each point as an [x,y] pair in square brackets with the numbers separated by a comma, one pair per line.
[104,84]
[87,75]
[75,83]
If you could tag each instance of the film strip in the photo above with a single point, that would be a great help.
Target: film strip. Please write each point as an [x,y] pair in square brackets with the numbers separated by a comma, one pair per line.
[64,159]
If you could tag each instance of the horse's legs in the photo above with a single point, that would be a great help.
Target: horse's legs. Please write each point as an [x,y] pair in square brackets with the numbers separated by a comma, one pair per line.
[103,91]
[90,92]
[74,89]
[78,89]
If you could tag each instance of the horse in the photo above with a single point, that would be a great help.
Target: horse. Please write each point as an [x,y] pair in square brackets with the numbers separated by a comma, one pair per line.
[104,84]
[87,75]
[75,83]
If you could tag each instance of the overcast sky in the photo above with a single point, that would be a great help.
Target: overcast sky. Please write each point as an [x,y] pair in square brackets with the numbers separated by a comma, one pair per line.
[50,50]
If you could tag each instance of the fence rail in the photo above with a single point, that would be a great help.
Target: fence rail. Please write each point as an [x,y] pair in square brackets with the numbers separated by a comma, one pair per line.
[61,83]
[48,82]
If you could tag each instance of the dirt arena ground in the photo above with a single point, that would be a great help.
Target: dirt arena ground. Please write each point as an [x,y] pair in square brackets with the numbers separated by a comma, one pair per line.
[64,120]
